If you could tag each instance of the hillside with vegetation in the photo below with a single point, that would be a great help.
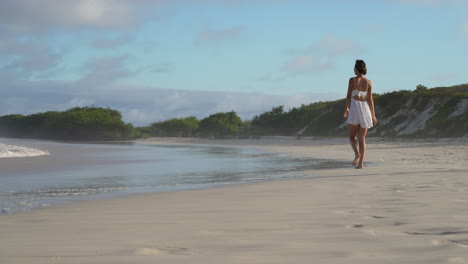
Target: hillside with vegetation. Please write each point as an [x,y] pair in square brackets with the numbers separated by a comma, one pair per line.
[423,112]
[436,112]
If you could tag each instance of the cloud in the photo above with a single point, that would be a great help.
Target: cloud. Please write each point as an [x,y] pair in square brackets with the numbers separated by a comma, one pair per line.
[321,56]
[209,36]
[464,29]
[139,105]
[102,72]
[139,116]
[34,14]
[112,42]
[430,3]
[304,64]
[233,2]
[34,64]
[423,2]
[334,46]
[162,68]
[26,58]
[373,28]
[444,77]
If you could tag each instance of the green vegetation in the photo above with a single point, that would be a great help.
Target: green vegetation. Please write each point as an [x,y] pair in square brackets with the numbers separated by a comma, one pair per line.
[80,123]
[424,112]
[221,125]
[175,127]
[227,124]
[397,112]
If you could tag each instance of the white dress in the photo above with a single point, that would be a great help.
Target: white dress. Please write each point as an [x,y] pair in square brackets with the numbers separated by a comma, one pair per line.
[359,111]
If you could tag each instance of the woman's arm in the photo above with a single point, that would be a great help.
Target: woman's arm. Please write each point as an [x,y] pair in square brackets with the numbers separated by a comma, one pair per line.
[348,98]
[370,100]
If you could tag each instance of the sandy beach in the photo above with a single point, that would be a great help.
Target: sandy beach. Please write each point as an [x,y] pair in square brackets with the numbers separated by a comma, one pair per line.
[409,207]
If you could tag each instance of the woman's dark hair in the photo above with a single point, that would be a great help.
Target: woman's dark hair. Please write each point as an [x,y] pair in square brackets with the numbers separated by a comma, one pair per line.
[361,67]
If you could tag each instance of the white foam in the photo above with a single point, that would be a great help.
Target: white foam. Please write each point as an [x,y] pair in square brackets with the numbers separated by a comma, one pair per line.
[13,151]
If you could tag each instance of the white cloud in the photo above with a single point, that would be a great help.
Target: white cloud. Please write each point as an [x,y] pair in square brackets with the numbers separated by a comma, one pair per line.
[34,14]
[27,58]
[444,77]
[464,28]
[306,64]
[76,102]
[139,105]
[429,3]
[161,68]
[423,2]
[321,56]
[334,46]
[104,71]
[46,14]
[373,28]
[209,36]
[420,1]
[112,42]
[138,116]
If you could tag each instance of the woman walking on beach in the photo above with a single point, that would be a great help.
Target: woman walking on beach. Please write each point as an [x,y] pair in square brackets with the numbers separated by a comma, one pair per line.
[359,111]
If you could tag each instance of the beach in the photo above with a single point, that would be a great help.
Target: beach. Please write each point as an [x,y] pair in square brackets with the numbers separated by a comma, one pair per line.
[408,207]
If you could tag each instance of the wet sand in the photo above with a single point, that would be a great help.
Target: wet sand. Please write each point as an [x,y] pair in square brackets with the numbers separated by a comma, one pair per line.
[409,208]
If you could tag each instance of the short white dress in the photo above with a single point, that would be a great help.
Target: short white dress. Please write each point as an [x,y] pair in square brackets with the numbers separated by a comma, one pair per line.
[359,111]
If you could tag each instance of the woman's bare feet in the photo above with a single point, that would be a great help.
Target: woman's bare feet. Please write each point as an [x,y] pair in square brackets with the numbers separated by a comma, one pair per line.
[359,165]
[356,159]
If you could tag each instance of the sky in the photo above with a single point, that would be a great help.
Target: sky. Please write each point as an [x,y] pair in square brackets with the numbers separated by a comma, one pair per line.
[159,59]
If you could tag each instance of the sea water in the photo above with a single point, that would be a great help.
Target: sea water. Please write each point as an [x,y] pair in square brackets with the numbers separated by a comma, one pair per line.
[35,174]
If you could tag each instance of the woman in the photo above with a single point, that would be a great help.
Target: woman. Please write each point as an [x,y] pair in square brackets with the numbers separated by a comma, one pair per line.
[359,111]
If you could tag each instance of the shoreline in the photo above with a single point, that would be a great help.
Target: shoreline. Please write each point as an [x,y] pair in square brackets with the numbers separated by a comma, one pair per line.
[411,208]
[299,173]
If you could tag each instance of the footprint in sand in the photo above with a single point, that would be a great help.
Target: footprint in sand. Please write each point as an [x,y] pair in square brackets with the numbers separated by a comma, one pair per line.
[399,223]
[373,217]
[161,251]
[355,226]
[463,243]
[343,212]
[437,242]
[361,227]
[149,252]
[371,232]
[439,233]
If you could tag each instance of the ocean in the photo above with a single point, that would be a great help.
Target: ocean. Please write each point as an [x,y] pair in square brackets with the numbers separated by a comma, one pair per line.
[36,174]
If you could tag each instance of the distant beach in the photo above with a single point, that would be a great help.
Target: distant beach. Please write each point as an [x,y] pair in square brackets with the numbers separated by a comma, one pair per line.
[409,207]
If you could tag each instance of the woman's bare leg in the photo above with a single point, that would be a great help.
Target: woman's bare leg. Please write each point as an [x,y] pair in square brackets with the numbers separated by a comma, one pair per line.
[362,146]
[353,131]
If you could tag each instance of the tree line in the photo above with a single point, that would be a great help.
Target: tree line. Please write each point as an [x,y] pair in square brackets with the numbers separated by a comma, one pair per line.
[315,119]
[227,124]
[79,123]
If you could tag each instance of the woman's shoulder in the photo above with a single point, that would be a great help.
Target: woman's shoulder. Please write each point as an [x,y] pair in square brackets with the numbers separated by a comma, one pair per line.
[367,80]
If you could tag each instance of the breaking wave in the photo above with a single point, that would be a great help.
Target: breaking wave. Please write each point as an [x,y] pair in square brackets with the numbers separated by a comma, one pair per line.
[13,151]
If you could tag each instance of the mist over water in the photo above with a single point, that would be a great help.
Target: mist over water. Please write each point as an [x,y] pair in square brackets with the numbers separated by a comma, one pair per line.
[72,171]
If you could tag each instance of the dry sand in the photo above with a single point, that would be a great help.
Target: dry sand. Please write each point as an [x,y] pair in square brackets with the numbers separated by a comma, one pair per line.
[410,208]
